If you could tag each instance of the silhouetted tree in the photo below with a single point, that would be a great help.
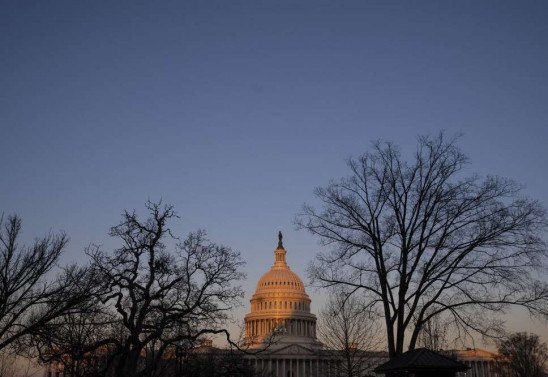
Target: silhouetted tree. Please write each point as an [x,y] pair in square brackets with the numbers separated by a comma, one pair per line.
[522,355]
[30,294]
[347,324]
[434,333]
[215,362]
[80,343]
[419,238]
[162,293]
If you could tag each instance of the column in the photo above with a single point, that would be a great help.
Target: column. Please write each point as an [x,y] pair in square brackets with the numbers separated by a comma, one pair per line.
[291,367]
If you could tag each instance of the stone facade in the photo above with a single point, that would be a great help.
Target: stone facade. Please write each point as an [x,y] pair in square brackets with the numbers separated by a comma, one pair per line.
[482,363]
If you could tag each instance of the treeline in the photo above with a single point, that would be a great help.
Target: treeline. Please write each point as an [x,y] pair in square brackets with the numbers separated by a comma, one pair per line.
[133,311]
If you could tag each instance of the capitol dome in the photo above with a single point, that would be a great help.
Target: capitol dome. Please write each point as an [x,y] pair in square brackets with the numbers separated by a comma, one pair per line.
[280,307]
[280,278]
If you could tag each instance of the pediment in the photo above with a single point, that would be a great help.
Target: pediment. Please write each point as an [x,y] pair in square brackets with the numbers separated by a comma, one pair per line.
[293,349]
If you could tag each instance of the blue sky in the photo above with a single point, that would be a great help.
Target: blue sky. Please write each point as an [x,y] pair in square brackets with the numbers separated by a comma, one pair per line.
[234,111]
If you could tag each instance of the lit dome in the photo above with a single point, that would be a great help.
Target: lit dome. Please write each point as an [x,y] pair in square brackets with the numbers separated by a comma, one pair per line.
[280,278]
[280,307]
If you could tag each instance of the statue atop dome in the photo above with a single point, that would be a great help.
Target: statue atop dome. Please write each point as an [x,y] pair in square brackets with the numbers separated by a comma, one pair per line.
[280,237]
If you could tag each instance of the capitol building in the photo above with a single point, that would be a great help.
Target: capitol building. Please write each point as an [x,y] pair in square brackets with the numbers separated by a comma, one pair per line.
[280,308]
[280,321]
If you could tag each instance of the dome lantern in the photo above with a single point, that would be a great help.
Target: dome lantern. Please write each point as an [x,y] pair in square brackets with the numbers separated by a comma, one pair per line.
[279,253]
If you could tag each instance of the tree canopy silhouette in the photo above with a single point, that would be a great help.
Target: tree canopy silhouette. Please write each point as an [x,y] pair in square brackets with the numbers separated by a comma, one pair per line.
[522,355]
[420,238]
[31,294]
[162,289]
[347,324]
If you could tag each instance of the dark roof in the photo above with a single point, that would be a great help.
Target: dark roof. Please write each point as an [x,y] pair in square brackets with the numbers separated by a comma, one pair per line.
[421,359]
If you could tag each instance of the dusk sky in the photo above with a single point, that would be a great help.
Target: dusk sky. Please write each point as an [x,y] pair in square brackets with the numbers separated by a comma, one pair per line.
[233,111]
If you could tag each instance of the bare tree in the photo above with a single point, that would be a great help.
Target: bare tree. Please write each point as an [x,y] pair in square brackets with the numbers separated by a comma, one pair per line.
[434,333]
[347,324]
[522,355]
[162,293]
[214,362]
[78,342]
[420,239]
[30,295]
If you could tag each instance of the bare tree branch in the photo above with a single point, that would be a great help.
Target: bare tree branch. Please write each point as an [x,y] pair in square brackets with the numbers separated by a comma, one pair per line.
[161,294]
[30,295]
[348,324]
[421,239]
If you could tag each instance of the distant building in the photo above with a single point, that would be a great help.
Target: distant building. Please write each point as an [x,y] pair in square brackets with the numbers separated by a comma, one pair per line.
[482,363]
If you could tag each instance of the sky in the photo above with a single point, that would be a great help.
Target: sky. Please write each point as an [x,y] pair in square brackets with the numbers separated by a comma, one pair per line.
[233,111]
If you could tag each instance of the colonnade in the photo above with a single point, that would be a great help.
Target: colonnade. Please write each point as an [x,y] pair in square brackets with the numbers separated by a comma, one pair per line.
[297,367]
[299,327]
[479,368]
[281,304]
